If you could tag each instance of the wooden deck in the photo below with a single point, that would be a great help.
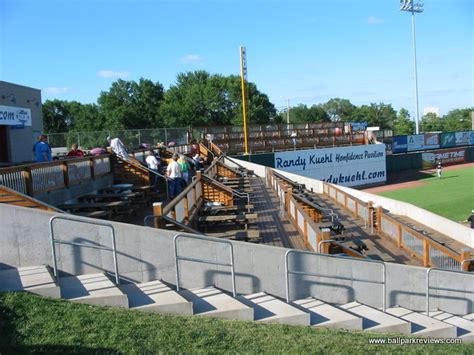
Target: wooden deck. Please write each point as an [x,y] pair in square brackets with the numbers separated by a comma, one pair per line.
[274,226]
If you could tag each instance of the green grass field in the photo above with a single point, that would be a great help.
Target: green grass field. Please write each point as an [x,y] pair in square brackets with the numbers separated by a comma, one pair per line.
[452,196]
[31,324]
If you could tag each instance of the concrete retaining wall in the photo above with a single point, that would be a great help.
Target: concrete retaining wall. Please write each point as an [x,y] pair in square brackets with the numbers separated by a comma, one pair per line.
[147,253]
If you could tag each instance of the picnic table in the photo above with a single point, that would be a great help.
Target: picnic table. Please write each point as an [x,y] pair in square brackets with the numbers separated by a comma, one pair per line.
[110,196]
[113,206]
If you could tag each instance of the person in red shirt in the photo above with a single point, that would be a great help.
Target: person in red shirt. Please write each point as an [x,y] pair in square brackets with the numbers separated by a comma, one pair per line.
[75,152]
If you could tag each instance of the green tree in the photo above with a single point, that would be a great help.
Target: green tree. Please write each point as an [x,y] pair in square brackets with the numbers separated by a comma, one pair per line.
[129,105]
[303,114]
[403,125]
[379,115]
[458,120]
[339,109]
[56,116]
[431,123]
[201,99]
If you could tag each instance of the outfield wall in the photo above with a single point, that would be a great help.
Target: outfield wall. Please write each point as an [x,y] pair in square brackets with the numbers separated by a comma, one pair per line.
[147,254]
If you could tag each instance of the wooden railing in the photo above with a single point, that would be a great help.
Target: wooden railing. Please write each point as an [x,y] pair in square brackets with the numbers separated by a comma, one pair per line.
[12,197]
[39,178]
[185,206]
[305,218]
[431,252]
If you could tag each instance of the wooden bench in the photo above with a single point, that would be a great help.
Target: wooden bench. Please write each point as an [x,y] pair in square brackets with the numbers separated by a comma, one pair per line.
[218,209]
[95,214]
[251,235]
[110,196]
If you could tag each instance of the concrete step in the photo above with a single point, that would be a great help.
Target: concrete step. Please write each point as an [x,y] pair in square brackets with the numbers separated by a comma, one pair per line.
[269,309]
[155,296]
[93,289]
[465,327]
[34,279]
[422,325]
[328,316]
[212,302]
[374,320]
[469,317]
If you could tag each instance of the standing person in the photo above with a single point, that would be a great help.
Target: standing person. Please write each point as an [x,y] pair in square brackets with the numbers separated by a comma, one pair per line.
[118,147]
[471,219]
[173,171]
[153,164]
[185,167]
[42,149]
[75,152]
[293,138]
[439,169]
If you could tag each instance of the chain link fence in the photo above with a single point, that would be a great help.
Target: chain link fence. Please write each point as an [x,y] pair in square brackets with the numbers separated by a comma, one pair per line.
[132,138]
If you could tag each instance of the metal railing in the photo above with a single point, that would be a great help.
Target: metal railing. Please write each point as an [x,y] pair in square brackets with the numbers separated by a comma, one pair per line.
[171,220]
[428,273]
[190,236]
[59,241]
[288,271]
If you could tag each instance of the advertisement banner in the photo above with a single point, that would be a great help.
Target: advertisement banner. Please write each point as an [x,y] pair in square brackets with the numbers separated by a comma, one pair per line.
[471,138]
[462,138]
[399,144]
[358,126]
[448,140]
[15,116]
[446,157]
[347,166]
[431,141]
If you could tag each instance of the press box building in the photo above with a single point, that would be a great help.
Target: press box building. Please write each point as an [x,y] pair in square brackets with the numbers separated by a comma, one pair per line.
[21,122]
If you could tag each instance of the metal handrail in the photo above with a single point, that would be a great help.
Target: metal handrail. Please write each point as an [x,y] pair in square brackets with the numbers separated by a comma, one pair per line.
[171,220]
[208,239]
[59,241]
[428,272]
[287,272]
[154,172]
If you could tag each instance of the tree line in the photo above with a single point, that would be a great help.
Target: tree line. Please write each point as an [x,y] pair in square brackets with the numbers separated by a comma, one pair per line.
[202,99]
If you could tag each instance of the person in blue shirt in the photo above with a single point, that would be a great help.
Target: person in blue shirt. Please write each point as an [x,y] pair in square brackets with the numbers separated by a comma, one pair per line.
[42,149]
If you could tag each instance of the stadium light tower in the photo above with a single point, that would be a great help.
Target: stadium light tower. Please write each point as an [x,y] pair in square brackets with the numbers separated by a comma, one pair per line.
[411,6]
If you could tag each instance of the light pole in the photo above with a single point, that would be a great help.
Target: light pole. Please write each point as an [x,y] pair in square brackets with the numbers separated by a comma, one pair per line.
[411,6]
[287,112]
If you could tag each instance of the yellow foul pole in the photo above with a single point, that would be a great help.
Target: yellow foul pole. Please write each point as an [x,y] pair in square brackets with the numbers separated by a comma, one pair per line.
[243,79]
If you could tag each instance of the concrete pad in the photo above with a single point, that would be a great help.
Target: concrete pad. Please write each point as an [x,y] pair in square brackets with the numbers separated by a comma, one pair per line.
[464,327]
[34,279]
[469,317]
[212,302]
[328,316]
[93,289]
[155,296]
[422,325]
[269,309]
[374,320]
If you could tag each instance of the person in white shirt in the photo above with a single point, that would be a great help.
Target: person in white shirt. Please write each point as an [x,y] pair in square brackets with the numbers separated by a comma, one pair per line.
[173,171]
[118,147]
[153,164]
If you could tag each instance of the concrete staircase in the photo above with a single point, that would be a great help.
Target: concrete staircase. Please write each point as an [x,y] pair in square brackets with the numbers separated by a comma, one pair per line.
[156,296]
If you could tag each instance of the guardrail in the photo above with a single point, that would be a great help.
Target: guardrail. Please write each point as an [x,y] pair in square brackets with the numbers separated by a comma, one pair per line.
[39,178]
[431,252]
[54,241]
[304,273]
[207,239]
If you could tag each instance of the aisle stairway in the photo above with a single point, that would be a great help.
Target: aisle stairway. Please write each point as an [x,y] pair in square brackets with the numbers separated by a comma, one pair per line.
[156,296]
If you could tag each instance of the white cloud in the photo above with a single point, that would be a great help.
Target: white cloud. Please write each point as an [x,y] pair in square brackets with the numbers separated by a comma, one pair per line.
[113,74]
[372,20]
[191,58]
[56,91]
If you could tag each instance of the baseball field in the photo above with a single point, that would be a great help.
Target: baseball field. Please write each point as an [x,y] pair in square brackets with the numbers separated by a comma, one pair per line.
[451,196]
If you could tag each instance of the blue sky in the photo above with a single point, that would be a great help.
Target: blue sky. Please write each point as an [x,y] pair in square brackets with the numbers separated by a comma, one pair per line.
[307,51]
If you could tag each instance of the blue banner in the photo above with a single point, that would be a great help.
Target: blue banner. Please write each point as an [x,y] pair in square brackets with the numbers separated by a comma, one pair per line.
[400,144]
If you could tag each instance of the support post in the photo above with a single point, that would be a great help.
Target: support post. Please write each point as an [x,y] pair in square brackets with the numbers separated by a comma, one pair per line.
[158,211]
